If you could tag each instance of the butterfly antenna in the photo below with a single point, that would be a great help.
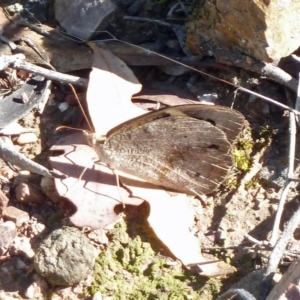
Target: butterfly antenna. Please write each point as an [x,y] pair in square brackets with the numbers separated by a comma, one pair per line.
[79,103]
[68,127]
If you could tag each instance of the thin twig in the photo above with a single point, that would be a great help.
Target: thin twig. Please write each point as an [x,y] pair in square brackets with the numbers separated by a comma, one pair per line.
[253,240]
[292,130]
[279,248]
[214,77]
[297,103]
[11,44]
[153,21]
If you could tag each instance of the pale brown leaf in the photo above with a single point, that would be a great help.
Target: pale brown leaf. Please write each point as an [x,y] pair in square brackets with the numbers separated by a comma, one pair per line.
[109,93]
[171,217]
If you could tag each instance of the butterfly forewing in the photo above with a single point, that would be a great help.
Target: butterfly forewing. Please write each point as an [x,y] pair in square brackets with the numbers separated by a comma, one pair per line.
[185,148]
[178,152]
[228,120]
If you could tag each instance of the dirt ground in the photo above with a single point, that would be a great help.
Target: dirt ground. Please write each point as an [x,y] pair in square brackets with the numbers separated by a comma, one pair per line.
[135,264]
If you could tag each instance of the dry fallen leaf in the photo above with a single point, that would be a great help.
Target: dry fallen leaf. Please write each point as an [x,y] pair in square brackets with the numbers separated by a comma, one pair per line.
[171,217]
[109,93]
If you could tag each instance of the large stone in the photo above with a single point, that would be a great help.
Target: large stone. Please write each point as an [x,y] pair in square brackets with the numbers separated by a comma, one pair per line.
[65,257]
[264,29]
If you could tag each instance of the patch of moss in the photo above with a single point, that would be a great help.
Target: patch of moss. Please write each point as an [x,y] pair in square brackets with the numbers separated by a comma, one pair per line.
[265,136]
[242,150]
[130,269]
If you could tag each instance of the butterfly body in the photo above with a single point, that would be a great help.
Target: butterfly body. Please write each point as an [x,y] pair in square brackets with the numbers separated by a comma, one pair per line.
[184,148]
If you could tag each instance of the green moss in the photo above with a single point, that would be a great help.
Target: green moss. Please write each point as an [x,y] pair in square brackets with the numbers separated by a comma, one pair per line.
[242,159]
[37,131]
[242,151]
[130,269]
[265,136]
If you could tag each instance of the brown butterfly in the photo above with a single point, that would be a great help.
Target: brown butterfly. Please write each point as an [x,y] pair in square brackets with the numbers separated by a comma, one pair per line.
[185,148]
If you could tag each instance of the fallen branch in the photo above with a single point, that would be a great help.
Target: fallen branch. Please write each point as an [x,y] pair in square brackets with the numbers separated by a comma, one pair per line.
[269,71]
[289,278]
[8,153]
[278,251]
[288,183]
[18,62]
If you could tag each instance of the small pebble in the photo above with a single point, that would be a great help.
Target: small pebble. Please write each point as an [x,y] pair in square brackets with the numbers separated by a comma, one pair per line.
[63,106]
[20,265]
[37,289]
[27,193]
[35,229]
[30,292]
[209,99]
[15,8]
[15,215]
[2,295]
[277,277]
[63,292]
[5,189]
[21,246]
[26,138]
[13,128]
[97,296]
[3,201]
[8,232]
[98,236]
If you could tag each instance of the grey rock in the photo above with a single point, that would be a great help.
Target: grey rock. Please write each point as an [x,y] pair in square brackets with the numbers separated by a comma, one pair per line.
[65,257]
[83,18]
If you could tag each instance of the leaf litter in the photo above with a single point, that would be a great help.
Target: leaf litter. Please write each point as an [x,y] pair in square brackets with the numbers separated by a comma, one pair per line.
[111,87]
